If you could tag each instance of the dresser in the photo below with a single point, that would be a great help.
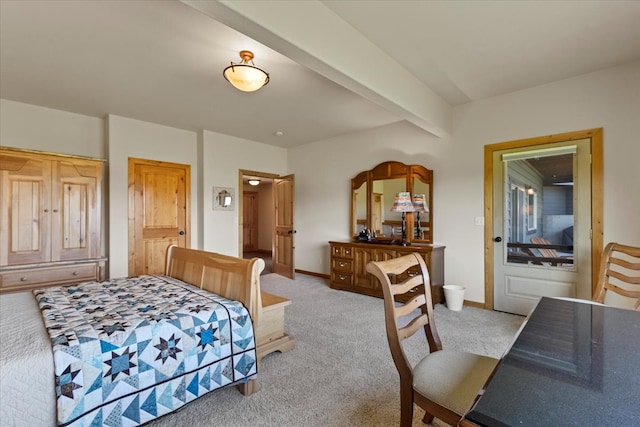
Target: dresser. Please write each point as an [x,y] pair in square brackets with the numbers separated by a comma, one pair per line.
[49,219]
[349,260]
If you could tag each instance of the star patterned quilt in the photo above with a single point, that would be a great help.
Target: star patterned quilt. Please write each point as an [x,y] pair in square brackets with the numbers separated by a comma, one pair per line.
[129,350]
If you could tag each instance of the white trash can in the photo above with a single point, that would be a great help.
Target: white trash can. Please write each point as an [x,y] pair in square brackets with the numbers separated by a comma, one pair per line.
[454,296]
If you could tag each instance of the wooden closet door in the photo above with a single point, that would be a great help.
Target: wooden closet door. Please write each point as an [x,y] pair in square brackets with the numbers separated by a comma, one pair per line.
[75,214]
[26,210]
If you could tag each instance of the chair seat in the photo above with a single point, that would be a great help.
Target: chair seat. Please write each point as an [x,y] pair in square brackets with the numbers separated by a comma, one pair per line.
[452,379]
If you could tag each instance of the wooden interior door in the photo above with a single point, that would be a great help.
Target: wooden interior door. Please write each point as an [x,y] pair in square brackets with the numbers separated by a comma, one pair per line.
[283,193]
[159,213]
[250,221]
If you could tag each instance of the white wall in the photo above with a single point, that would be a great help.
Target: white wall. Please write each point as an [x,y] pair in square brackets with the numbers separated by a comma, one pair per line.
[609,99]
[223,157]
[323,182]
[143,140]
[46,129]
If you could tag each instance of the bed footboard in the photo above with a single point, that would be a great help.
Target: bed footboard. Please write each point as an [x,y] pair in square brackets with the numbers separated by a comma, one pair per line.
[233,278]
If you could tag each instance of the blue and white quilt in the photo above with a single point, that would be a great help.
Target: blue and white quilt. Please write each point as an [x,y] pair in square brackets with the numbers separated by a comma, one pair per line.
[129,350]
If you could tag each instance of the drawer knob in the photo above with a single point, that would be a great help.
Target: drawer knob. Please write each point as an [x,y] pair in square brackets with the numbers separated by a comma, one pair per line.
[342,264]
[342,277]
[23,279]
[75,273]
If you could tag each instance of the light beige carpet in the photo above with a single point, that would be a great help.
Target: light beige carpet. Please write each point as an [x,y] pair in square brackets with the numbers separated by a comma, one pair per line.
[340,372]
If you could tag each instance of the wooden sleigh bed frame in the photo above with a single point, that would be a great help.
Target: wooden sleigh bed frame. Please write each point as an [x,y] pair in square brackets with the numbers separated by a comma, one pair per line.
[237,279]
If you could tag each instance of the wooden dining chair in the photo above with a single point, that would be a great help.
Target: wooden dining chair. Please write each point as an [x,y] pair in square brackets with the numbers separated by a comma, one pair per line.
[444,383]
[619,277]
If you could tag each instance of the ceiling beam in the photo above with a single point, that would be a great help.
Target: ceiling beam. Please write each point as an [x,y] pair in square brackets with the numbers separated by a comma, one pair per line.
[312,35]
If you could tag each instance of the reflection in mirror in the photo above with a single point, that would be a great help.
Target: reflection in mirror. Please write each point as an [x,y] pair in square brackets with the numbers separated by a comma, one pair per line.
[360,204]
[388,223]
[422,230]
[224,199]
[376,190]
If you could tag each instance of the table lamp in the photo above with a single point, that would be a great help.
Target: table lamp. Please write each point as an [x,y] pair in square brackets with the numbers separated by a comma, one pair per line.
[403,204]
[420,206]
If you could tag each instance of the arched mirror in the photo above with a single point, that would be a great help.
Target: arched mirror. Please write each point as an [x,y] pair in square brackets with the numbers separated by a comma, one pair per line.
[373,194]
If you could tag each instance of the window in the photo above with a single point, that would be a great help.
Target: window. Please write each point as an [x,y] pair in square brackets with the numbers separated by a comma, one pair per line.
[532,209]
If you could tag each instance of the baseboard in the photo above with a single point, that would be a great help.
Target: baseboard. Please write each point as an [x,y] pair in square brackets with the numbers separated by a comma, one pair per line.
[473,304]
[311,273]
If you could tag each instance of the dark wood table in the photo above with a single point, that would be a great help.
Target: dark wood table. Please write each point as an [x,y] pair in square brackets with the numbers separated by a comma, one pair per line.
[572,364]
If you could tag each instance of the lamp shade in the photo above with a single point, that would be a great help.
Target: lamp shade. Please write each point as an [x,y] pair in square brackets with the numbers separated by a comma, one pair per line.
[245,76]
[402,203]
[420,203]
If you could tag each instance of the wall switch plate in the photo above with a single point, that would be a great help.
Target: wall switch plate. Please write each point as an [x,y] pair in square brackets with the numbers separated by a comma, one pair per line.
[479,220]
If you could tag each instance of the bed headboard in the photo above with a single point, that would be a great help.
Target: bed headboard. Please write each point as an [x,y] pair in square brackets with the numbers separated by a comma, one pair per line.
[234,278]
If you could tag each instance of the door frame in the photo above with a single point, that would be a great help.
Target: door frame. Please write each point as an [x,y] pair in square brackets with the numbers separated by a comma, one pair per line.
[597,187]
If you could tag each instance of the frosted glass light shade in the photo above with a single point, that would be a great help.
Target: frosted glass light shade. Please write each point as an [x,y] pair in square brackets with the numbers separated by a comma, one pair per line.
[245,76]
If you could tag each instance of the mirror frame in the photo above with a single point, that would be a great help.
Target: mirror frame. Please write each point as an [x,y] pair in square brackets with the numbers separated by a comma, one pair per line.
[394,170]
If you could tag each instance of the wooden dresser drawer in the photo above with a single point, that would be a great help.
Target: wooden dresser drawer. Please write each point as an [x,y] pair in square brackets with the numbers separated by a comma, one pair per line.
[341,265]
[342,278]
[31,278]
[342,251]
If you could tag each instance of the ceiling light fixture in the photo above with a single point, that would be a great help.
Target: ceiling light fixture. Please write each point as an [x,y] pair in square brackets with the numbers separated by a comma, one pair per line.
[245,76]
[254,182]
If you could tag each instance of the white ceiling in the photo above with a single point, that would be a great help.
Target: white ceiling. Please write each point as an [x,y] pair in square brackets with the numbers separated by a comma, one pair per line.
[331,62]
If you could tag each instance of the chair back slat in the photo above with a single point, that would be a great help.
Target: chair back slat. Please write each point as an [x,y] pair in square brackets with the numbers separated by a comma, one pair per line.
[414,326]
[408,307]
[626,264]
[407,285]
[624,278]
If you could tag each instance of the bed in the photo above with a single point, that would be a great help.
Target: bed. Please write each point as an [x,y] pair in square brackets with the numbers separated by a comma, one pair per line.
[150,357]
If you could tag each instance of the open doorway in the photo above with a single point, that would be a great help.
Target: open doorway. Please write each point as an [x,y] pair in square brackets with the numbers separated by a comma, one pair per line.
[269,219]
[256,212]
